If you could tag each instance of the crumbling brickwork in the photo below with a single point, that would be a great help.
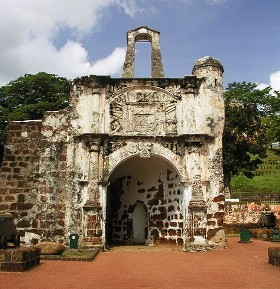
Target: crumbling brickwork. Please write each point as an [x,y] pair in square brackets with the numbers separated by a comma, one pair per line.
[20,174]
[129,161]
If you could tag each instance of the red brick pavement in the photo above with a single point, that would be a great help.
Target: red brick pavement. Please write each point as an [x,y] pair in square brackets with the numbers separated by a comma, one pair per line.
[240,266]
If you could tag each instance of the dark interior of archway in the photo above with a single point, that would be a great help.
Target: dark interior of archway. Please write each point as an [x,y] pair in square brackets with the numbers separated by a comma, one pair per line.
[156,184]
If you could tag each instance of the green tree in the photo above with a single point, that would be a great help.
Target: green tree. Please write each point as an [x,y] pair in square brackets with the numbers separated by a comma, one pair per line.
[272,125]
[245,135]
[271,119]
[29,96]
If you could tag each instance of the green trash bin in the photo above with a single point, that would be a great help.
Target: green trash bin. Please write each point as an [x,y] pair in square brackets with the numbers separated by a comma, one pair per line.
[244,236]
[74,241]
[275,235]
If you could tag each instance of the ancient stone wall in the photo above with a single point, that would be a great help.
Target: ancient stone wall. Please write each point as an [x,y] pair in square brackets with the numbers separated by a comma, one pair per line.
[246,214]
[19,175]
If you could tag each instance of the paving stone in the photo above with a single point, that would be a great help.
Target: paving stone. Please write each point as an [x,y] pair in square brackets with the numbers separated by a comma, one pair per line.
[239,266]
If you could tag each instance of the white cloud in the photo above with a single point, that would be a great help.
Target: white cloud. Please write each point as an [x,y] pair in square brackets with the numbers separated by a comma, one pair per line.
[130,7]
[28,30]
[262,86]
[212,2]
[113,62]
[274,81]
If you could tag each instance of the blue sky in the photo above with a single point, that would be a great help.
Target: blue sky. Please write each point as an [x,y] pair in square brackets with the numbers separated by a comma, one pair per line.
[73,38]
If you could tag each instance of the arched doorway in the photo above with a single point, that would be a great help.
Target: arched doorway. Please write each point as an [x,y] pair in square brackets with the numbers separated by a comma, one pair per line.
[139,224]
[144,195]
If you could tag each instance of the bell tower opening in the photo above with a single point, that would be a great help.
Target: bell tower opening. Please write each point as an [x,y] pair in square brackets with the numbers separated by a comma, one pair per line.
[143,34]
[143,59]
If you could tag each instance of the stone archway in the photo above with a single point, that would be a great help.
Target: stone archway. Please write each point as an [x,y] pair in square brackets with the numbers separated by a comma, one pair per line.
[137,184]
[123,141]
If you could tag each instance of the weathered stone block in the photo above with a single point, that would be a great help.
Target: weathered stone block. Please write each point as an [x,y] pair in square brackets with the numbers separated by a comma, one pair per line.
[274,256]
[219,198]
[172,232]
[24,224]
[6,170]
[211,223]
[23,164]
[50,248]
[59,232]
[9,199]
[212,232]
[4,207]
[24,206]
[19,259]
[20,198]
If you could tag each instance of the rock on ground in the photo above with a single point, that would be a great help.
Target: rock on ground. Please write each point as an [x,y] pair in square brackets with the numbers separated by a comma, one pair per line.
[50,248]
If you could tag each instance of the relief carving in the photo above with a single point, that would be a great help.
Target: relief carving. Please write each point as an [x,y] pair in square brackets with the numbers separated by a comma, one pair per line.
[95,122]
[143,112]
[144,149]
[197,191]
[175,147]
[141,148]
[176,90]
[117,145]
[116,113]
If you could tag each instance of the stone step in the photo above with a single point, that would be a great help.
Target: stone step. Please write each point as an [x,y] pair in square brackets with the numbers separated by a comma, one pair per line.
[88,245]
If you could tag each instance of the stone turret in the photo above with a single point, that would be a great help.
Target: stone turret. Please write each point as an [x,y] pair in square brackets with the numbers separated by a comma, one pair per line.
[209,68]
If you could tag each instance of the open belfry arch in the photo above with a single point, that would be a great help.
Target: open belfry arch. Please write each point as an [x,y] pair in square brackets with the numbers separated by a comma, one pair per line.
[131,160]
[143,34]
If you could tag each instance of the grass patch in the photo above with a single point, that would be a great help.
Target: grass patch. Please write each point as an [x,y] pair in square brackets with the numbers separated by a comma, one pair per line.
[266,183]
[266,179]
[76,253]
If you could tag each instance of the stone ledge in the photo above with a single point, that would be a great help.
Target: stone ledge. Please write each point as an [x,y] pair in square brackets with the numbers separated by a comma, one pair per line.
[19,259]
[274,256]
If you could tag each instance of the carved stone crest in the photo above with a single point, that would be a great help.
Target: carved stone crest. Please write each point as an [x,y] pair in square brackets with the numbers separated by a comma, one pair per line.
[144,149]
[143,112]
[141,148]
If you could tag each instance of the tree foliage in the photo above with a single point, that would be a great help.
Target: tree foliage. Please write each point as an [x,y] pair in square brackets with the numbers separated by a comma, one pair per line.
[29,96]
[249,112]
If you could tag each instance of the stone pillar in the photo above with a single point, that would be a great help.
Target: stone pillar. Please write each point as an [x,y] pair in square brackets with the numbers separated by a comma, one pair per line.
[94,168]
[103,200]
[92,210]
[186,199]
[197,209]
[128,68]
[156,61]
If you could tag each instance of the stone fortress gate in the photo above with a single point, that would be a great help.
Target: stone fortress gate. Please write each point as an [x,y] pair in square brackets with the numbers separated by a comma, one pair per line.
[130,160]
